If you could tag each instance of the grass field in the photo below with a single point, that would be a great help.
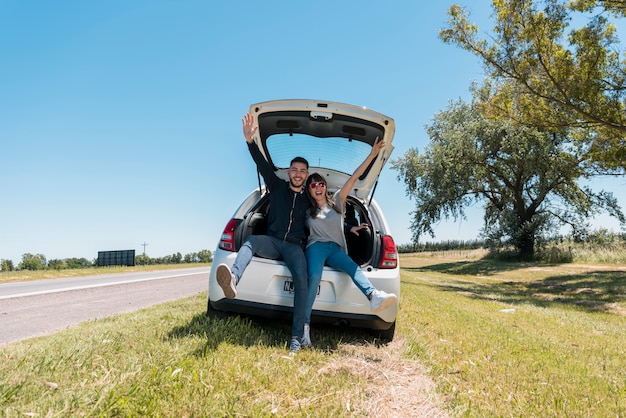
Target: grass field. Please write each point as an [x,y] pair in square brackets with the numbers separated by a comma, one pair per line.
[474,338]
[510,339]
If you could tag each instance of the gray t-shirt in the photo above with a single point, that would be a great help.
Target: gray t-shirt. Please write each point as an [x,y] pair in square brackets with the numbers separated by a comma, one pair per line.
[328,225]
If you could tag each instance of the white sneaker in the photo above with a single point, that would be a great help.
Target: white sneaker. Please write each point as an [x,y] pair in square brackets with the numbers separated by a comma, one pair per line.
[306,338]
[380,300]
[227,281]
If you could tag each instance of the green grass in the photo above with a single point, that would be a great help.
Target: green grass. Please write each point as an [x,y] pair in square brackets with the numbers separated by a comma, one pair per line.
[170,360]
[510,339]
[474,338]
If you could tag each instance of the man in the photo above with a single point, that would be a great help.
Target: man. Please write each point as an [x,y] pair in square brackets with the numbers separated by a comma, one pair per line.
[286,233]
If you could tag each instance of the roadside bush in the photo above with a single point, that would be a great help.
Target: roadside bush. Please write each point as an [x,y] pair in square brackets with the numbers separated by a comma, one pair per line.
[6,265]
[33,262]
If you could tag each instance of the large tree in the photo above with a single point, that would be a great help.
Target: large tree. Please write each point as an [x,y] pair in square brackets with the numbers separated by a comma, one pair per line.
[553,64]
[526,178]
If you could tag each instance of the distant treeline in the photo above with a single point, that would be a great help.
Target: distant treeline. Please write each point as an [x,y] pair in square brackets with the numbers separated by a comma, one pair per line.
[203,256]
[601,245]
[441,246]
[556,249]
[39,261]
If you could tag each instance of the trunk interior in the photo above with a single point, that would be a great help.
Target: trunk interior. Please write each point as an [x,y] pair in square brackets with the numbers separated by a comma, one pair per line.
[360,248]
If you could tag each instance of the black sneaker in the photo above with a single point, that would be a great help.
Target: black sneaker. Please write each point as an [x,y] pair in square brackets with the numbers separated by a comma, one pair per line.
[294,346]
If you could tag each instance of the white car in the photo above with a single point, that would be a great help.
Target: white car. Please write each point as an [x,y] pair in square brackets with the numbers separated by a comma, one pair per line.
[335,138]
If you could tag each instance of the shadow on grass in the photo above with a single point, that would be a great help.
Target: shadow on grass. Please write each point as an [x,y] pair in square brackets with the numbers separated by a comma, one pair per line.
[595,291]
[251,331]
[479,267]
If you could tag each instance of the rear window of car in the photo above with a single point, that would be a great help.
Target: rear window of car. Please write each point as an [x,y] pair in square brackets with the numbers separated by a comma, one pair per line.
[339,154]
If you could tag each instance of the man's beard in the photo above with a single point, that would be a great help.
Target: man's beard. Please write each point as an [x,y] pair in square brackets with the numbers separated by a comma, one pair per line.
[295,186]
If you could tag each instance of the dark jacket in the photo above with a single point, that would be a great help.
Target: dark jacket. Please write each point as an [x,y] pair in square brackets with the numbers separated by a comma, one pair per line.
[287,208]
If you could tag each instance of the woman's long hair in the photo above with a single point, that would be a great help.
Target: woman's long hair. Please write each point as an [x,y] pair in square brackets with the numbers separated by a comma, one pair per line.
[315,177]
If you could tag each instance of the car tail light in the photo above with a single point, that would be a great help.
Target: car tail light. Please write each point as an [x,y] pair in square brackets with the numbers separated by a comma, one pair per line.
[389,259]
[227,241]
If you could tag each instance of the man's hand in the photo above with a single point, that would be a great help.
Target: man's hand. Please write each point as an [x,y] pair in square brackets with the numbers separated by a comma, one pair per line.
[248,128]
[355,229]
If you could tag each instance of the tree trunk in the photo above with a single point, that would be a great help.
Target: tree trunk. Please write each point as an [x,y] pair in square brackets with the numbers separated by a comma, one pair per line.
[526,246]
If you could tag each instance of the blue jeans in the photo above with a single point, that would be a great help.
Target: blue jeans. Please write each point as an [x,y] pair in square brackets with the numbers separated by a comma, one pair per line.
[331,254]
[293,255]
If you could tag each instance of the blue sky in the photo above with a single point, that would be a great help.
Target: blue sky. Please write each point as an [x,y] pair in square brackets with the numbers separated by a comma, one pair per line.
[120,121]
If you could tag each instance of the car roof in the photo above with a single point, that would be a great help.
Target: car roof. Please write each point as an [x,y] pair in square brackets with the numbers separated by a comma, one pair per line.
[335,138]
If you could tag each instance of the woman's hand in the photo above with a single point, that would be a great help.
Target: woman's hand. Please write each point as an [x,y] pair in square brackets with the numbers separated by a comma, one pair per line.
[378,145]
[248,127]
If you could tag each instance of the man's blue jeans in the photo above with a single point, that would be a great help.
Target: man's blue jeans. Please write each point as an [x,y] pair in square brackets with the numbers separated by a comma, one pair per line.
[331,254]
[293,255]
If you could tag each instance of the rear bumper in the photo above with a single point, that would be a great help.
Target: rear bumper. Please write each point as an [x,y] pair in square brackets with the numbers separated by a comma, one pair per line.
[371,322]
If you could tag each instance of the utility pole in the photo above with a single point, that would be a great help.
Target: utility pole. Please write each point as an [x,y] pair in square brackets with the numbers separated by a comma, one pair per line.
[144,252]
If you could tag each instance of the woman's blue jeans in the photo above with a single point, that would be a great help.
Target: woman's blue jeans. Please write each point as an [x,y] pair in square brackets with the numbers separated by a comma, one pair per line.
[319,254]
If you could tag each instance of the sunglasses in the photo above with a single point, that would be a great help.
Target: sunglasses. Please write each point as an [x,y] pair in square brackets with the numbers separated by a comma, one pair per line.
[316,184]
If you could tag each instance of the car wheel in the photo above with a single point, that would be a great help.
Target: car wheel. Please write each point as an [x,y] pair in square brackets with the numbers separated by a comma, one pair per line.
[386,336]
[211,312]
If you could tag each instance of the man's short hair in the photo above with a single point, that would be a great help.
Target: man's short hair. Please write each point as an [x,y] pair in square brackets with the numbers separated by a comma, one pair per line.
[299,160]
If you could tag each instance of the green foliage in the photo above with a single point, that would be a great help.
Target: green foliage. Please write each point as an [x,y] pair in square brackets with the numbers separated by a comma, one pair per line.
[546,74]
[526,178]
[33,262]
[143,260]
[202,256]
[77,263]
[69,263]
[57,264]
[6,265]
[440,246]
[205,256]
[176,258]
[597,247]
[38,261]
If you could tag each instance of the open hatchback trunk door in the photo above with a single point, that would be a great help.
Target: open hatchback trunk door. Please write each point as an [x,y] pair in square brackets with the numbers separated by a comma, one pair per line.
[334,138]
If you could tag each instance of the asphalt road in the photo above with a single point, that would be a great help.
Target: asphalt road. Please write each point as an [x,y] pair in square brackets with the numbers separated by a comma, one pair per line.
[32,309]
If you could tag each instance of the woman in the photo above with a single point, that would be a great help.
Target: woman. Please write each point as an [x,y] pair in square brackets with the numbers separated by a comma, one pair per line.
[326,244]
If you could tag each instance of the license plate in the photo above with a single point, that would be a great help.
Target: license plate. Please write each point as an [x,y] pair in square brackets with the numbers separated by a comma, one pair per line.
[289,288]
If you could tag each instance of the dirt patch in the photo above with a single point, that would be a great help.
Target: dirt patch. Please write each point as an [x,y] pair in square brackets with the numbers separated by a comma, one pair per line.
[616,309]
[395,386]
